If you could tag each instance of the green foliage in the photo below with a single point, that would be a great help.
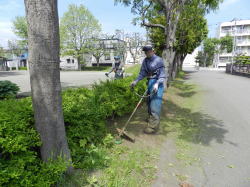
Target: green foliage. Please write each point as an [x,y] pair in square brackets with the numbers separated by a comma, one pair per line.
[191,29]
[19,142]
[85,114]
[212,46]
[210,49]
[77,26]
[201,59]
[2,52]
[157,34]
[95,68]
[20,28]
[22,68]
[8,89]
[242,59]
[226,43]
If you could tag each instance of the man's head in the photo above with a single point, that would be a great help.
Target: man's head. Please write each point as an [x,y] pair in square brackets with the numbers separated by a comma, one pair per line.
[117,58]
[148,49]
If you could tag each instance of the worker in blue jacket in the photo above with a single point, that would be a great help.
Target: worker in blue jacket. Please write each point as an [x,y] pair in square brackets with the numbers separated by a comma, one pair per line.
[117,67]
[153,68]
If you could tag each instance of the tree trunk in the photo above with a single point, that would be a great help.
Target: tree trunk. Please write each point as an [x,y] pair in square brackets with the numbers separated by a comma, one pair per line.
[172,18]
[43,32]
[168,58]
[134,58]
[98,62]
[79,62]
[175,66]
[181,61]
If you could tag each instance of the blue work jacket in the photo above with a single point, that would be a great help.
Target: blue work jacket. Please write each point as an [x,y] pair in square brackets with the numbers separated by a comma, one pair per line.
[153,68]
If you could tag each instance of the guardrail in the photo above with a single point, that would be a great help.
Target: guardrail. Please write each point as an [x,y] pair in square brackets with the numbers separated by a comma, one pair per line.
[238,69]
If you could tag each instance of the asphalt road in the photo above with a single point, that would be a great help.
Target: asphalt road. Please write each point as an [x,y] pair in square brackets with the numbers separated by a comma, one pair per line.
[68,79]
[225,154]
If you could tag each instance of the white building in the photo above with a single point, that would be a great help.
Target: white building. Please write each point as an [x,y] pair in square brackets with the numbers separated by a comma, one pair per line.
[190,61]
[240,30]
[113,47]
[68,63]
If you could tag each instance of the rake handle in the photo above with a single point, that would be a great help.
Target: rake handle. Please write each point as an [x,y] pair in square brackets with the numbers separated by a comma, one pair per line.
[138,104]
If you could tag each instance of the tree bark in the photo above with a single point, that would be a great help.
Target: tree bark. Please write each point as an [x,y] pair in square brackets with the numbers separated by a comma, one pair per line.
[43,37]
[172,18]
[79,62]
[181,61]
[97,62]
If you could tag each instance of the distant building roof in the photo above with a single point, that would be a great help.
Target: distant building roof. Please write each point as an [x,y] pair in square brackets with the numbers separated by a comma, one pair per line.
[237,22]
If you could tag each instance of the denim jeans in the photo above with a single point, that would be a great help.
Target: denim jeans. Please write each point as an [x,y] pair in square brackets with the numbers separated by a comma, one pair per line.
[154,104]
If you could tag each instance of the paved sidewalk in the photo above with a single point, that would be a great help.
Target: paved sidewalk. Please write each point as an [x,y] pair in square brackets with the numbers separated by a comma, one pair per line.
[68,79]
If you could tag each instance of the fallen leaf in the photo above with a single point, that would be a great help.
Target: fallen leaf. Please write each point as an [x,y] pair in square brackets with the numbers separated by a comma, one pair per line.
[170,164]
[230,166]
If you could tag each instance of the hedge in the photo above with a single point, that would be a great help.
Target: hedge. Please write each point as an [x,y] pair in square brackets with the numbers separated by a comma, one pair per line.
[8,89]
[85,114]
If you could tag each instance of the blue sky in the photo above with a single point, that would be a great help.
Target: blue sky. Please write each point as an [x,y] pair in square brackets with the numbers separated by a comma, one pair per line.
[115,17]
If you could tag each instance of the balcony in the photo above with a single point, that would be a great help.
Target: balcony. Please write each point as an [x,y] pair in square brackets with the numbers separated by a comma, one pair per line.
[225,54]
[238,32]
[243,43]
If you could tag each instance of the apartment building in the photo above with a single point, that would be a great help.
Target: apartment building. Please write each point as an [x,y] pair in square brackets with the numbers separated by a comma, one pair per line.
[240,30]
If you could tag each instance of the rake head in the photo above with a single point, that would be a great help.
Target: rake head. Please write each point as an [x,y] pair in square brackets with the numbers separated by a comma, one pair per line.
[122,133]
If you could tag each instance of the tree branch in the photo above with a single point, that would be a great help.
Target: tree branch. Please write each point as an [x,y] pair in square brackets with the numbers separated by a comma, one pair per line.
[151,25]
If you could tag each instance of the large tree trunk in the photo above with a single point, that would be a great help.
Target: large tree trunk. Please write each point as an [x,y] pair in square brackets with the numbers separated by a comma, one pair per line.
[172,17]
[168,57]
[79,62]
[181,61]
[43,32]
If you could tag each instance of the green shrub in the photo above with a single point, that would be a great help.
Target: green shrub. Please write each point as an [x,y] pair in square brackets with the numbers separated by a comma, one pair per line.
[19,144]
[23,68]
[8,89]
[85,114]
[95,68]
[86,111]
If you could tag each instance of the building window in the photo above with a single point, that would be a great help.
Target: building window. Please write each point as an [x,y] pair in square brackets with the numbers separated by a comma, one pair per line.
[107,57]
[73,61]
[227,30]
[68,61]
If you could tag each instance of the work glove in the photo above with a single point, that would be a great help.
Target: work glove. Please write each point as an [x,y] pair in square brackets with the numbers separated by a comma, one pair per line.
[133,84]
[155,88]
[107,74]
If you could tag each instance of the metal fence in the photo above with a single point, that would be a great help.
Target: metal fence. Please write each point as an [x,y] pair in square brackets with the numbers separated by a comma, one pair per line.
[238,69]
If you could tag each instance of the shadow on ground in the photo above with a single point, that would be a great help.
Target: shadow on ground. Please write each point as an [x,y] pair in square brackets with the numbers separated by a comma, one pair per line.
[195,127]
[186,90]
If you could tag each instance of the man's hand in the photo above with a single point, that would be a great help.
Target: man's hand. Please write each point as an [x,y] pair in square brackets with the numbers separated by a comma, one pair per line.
[155,88]
[133,84]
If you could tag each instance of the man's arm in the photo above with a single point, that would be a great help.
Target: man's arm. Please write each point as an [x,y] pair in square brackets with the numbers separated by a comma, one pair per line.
[143,72]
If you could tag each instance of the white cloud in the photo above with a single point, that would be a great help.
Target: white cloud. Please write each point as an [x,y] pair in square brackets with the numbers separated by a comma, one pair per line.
[6,33]
[9,9]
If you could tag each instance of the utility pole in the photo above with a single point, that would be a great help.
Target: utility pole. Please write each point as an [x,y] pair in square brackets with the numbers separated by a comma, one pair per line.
[234,43]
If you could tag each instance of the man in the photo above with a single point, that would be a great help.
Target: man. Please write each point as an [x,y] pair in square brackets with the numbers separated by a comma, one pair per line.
[117,67]
[153,68]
